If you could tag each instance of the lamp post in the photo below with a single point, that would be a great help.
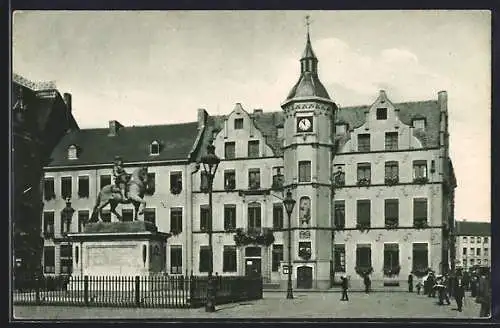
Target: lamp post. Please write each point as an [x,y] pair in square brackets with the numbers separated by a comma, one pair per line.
[210,163]
[289,204]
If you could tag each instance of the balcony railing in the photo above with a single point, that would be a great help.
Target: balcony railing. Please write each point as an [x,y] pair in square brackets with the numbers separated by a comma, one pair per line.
[363,182]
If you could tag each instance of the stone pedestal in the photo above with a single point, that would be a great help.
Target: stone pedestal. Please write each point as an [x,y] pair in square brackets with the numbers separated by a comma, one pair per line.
[118,249]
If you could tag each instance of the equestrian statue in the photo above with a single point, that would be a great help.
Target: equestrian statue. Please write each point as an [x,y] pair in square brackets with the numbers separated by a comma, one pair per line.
[128,188]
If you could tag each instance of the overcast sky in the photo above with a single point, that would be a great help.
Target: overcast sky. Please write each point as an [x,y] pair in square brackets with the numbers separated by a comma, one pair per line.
[158,67]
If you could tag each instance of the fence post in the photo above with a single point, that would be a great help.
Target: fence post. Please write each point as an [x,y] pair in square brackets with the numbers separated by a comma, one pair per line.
[137,291]
[37,290]
[86,289]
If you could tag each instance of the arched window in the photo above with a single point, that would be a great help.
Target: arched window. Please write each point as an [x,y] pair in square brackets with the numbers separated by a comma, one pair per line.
[155,148]
[72,152]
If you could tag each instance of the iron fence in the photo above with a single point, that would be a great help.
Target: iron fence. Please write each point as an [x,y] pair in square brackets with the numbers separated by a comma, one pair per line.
[134,291]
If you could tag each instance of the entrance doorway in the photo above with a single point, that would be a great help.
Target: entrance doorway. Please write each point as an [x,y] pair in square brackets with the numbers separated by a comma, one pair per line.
[304,277]
[253,267]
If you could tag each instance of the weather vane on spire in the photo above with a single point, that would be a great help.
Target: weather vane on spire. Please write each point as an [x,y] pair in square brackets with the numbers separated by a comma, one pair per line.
[307,23]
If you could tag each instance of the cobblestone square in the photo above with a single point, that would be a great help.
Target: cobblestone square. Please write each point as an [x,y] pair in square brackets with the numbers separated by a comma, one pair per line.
[274,305]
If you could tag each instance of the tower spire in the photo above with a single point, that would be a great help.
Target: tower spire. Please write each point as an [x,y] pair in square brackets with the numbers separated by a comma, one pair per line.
[307,26]
[308,61]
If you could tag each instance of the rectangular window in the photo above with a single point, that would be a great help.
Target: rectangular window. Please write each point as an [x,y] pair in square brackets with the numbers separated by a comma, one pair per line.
[478,239]
[278,216]
[364,173]
[66,187]
[485,252]
[229,179]
[176,220]
[175,182]
[83,187]
[464,239]
[363,256]
[419,170]
[104,180]
[150,215]
[48,188]
[419,211]
[478,251]
[471,261]
[391,141]
[277,257]
[391,172]
[381,113]
[278,177]
[66,259]
[464,251]
[254,178]
[229,259]
[420,256]
[65,224]
[204,217]
[391,213]
[254,216]
[83,218]
[305,250]
[229,150]
[49,259]
[472,240]
[48,224]
[106,215]
[238,123]
[340,214]
[339,254]
[363,213]
[363,142]
[485,240]
[391,258]
[127,215]
[305,171]
[151,185]
[229,217]
[176,259]
[204,259]
[471,251]
[253,148]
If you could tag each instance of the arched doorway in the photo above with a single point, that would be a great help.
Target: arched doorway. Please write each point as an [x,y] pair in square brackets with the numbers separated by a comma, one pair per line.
[304,277]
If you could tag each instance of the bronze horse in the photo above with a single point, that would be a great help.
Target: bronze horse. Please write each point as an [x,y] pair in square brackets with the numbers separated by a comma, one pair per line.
[136,187]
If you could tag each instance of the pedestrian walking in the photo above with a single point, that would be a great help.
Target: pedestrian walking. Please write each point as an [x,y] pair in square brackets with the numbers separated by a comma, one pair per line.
[473,286]
[459,291]
[432,282]
[344,289]
[367,283]
[410,283]
[484,295]
[419,287]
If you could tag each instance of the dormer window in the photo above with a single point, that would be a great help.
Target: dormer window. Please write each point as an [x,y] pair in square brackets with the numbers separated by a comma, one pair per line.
[154,148]
[341,128]
[419,123]
[72,152]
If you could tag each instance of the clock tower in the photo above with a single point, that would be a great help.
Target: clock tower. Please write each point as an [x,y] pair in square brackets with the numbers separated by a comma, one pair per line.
[308,152]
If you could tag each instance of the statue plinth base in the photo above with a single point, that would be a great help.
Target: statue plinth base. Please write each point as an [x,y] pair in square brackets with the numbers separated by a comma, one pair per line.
[118,249]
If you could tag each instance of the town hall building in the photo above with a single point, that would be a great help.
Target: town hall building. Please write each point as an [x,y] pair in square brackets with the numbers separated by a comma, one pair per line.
[374,188]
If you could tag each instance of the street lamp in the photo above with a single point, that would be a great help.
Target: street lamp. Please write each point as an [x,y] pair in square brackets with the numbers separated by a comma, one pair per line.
[289,204]
[210,163]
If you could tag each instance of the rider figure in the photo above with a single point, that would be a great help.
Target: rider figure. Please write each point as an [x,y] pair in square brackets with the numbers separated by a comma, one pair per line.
[120,175]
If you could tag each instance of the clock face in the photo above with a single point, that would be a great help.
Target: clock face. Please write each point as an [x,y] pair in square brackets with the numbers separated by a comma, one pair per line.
[304,124]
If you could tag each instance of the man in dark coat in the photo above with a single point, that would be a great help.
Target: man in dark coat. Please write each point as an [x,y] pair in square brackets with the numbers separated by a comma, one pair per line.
[344,289]
[410,283]
[484,294]
[367,283]
[431,279]
[459,290]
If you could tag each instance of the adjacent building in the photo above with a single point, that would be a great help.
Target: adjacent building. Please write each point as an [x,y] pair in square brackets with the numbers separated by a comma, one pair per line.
[40,118]
[473,244]
[374,187]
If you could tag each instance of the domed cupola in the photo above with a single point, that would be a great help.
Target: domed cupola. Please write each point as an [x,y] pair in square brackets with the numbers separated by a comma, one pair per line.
[309,84]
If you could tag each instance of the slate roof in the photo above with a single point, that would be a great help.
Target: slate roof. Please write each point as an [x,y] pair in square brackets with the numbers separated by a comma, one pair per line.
[471,228]
[308,85]
[428,109]
[131,143]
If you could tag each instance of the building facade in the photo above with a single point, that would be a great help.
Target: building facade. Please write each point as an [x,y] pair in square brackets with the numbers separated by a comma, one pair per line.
[473,244]
[373,184]
[40,118]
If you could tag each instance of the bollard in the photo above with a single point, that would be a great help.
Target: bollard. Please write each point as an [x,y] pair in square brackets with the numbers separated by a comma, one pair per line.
[210,303]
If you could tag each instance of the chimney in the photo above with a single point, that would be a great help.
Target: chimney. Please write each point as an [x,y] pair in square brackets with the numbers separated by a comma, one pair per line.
[382,96]
[202,117]
[443,101]
[257,111]
[114,126]
[67,100]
